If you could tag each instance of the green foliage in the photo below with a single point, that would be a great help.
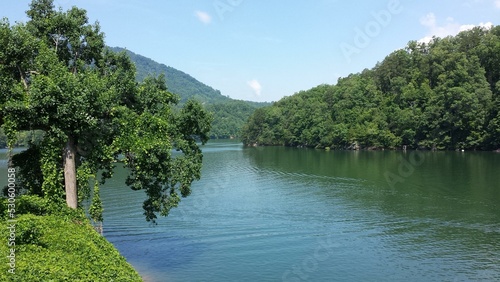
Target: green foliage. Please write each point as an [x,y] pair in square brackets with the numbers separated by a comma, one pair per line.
[22,139]
[229,117]
[83,98]
[96,209]
[27,231]
[149,157]
[178,82]
[31,205]
[441,95]
[57,248]
[36,205]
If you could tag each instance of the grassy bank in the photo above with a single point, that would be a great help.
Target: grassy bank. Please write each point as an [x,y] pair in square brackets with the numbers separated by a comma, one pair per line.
[59,246]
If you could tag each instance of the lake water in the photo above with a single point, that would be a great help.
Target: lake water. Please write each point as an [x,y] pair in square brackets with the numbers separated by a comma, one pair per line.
[289,214]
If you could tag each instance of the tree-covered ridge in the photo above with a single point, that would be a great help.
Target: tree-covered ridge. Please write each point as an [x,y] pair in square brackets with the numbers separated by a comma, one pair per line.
[440,95]
[229,115]
[180,83]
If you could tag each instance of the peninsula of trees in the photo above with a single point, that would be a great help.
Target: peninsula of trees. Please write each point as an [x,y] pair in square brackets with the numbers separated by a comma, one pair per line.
[442,95]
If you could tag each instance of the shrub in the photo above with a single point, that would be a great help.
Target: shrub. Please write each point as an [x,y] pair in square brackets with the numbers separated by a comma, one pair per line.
[62,248]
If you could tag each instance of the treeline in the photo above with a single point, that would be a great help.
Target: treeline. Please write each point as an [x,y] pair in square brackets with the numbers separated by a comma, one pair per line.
[229,117]
[441,95]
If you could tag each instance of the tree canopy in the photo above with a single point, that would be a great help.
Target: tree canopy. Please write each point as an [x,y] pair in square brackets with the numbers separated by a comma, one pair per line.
[57,76]
[439,95]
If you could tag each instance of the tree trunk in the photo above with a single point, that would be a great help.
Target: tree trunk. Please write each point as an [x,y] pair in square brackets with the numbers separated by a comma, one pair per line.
[70,174]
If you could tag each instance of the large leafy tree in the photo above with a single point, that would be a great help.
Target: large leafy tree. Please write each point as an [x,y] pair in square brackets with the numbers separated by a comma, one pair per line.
[56,75]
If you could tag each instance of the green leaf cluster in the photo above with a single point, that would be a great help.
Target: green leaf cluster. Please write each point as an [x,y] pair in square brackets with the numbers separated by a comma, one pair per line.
[439,95]
[23,138]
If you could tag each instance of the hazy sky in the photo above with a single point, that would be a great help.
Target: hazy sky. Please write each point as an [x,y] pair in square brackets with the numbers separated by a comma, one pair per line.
[262,50]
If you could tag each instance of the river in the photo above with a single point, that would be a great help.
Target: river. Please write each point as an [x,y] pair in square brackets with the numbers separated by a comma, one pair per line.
[290,214]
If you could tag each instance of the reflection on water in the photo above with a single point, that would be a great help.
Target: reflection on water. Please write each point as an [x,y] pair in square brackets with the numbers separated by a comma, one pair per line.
[286,214]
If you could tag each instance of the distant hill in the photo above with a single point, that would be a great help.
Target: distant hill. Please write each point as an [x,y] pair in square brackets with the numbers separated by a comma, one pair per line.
[178,82]
[229,114]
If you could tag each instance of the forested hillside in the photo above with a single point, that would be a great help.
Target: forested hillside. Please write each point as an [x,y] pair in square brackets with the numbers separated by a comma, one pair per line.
[178,82]
[440,95]
[229,115]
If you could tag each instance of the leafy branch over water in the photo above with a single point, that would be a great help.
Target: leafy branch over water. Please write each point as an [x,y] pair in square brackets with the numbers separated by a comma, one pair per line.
[57,77]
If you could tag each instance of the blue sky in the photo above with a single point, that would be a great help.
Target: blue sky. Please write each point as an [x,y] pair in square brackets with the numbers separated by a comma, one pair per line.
[263,50]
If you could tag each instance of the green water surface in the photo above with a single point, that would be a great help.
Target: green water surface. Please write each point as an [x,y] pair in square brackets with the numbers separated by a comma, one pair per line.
[290,214]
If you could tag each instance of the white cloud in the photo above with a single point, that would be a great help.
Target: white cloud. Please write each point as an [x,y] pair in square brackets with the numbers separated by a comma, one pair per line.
[255,85]
[487,25]
[450,27]
[203,17]
[429,20]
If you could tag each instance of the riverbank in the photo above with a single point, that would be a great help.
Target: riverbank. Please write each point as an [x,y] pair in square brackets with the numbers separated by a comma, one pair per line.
[57,247]
[357,147]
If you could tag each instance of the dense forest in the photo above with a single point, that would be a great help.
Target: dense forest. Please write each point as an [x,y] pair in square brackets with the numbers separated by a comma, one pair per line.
[229,117]
[441,95]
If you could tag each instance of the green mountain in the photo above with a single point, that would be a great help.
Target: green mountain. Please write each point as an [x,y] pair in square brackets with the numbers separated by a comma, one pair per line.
[229,114]
[178,82]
